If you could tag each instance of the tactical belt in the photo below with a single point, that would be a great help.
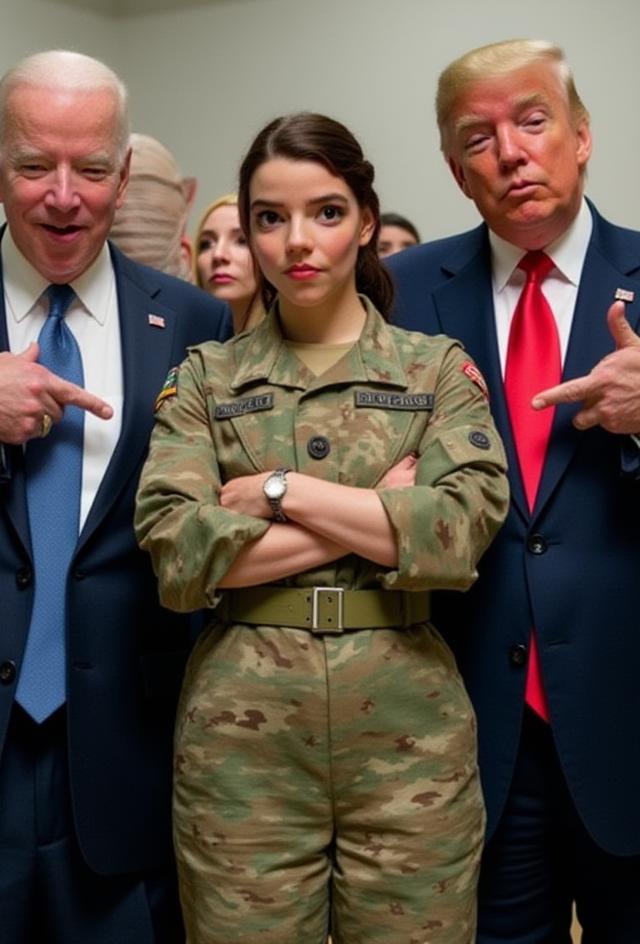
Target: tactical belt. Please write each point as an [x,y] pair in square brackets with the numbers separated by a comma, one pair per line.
[324,609]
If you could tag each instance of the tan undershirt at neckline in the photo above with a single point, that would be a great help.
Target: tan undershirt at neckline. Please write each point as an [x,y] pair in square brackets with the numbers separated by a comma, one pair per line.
[319,357]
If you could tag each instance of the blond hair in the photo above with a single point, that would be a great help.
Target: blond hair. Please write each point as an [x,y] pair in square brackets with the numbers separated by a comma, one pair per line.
[255,311]
[229,199]
[501,59]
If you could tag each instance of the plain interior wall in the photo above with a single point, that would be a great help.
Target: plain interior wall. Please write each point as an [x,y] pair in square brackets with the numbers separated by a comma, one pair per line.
[28,26]
[205,79]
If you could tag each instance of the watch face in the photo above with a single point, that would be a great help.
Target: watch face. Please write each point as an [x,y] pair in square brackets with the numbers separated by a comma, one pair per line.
[275,487]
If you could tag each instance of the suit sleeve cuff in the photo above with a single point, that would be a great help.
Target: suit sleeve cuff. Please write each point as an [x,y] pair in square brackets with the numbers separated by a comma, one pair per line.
[630,455]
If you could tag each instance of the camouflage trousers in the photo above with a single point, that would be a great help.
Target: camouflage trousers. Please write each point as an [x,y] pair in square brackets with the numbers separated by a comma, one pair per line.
[326,784]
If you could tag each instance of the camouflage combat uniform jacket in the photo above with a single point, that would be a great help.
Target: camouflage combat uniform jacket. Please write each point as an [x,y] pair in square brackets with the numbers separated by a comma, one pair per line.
[305,762]
[251,405]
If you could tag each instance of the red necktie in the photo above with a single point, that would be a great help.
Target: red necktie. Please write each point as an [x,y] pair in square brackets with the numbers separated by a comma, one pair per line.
[533,364]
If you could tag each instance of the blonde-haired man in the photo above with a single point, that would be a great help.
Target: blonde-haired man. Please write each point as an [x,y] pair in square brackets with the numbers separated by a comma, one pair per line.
[552,658]
[90,665]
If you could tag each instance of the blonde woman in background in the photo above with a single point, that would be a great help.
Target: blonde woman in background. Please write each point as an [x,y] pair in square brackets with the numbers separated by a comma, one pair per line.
[150,226]
[223,265]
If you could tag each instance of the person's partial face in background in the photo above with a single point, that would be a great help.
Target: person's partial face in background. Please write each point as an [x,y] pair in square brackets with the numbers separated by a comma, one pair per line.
[394,239]
[225,264]
[516,150]
[61,177]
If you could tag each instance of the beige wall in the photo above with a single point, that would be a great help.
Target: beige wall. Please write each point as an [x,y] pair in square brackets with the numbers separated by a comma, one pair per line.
[28,26]
[205,79]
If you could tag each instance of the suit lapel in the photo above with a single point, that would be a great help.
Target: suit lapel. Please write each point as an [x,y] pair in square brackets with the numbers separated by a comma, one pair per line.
[13,492]
[146,355]
[464,306]
[608,266]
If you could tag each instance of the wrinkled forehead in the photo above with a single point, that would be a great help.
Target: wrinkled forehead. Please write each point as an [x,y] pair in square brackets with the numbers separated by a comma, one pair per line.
[80,120]
[485,99]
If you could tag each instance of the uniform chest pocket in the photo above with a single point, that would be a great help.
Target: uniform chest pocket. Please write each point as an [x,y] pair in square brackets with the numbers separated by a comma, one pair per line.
[251,434]
[383,427]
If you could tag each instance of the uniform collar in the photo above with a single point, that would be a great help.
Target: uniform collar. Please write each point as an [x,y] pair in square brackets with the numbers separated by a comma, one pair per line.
[373,358]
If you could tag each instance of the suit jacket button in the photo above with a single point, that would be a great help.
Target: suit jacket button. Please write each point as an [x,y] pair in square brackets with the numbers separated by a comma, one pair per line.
[536,544]
[24,577]
[318,447]
[518,655]
[7,672]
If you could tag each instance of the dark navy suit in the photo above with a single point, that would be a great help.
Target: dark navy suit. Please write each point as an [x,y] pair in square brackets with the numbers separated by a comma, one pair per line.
[125,655]
[570,568]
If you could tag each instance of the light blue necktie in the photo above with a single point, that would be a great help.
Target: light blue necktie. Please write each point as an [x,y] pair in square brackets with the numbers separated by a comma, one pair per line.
[54,480]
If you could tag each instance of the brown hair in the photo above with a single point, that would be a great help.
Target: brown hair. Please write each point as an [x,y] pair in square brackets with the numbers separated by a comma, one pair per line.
[305,136]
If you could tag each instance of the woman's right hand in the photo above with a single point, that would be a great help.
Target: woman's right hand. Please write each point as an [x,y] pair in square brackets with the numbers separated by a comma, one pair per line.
[402,474]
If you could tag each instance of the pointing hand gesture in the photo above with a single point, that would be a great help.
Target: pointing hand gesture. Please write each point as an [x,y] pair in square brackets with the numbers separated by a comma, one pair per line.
[28,392]
[610,393]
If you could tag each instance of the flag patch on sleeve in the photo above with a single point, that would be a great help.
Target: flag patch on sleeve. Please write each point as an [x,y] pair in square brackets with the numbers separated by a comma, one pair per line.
[169,388]
[470,370]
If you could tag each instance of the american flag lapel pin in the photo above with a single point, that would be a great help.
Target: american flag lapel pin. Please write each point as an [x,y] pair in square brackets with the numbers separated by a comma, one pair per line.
[624,295]
[157,321]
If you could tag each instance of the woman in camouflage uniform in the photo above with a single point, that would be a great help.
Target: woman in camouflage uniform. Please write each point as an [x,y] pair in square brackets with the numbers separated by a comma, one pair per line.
[310,482]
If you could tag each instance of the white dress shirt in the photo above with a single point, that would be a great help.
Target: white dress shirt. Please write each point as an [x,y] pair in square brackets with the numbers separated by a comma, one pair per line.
[93,319]
[560,287]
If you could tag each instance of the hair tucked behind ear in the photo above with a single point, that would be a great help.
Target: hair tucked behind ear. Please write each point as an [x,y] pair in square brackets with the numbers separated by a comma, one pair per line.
[306,136]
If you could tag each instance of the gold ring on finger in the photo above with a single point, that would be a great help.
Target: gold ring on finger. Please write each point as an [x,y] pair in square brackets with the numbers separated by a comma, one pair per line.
[47,423]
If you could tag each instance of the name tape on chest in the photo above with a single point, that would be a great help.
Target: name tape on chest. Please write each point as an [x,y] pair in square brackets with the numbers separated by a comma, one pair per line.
[227,411]
[393,401]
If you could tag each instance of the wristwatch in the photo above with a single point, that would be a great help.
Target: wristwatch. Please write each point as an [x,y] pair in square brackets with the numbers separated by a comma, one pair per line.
[275,488]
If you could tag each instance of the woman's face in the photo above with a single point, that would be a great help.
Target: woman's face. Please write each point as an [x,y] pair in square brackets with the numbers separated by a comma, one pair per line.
[394,239]
[225,265]
[306,230]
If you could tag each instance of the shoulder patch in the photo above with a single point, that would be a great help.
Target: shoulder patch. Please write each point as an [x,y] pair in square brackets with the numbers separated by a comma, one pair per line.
[470,370]
[479,440]
[169,388]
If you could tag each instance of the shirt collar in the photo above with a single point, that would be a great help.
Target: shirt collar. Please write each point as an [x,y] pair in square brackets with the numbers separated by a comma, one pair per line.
[24,285]
[567,252]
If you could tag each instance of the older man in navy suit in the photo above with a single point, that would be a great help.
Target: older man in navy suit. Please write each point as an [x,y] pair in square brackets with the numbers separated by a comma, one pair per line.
[90,665]
[547,640]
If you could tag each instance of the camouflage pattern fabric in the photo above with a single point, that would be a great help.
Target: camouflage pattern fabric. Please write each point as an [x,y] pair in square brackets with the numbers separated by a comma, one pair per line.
[325,781]
[302,761]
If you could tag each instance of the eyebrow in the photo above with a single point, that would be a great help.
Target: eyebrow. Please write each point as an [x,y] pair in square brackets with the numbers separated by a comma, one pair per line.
[208,231]
[325,198]
[468,122]
[22,153]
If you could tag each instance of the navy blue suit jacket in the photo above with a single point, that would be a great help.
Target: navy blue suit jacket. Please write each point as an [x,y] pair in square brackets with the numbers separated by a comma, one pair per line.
[571,568]
[125,653]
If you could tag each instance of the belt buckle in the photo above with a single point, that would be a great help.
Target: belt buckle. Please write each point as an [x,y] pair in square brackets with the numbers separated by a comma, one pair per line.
[327,611]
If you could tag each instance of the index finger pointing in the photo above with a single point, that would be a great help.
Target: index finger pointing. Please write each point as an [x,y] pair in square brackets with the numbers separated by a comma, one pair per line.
[69,394]
[572,391]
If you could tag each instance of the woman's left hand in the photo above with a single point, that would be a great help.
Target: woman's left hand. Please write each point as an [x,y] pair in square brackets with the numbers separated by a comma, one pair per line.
[245,495]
